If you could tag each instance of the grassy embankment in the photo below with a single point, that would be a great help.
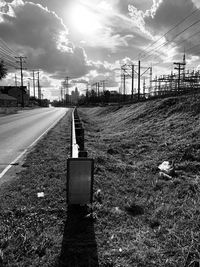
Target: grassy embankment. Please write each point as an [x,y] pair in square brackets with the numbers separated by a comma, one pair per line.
[145,220]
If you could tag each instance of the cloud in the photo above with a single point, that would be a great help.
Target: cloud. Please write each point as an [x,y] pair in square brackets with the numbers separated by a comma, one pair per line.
[185,35]
[168,22]
[167,14]
[196,3]
[42,36]
[139,16]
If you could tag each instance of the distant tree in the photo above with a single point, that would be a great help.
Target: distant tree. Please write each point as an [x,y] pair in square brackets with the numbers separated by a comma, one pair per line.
[3,70]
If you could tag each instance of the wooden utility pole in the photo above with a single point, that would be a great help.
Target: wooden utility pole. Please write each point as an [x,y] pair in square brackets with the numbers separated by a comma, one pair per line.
[132,85]
[124,87]
[139,79]
[21,61]
[29,88]
[15,80]
[98,89]
[39,91]
[33,71]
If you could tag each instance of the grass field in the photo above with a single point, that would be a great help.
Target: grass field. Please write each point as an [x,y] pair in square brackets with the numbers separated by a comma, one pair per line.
[140,219]
[145,220]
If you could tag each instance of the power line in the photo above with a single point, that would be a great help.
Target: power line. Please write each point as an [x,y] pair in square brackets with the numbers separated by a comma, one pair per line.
[8,48]
[182,41]
[9,64]
[7,55]
[164,44]
[6,52]
[174,27]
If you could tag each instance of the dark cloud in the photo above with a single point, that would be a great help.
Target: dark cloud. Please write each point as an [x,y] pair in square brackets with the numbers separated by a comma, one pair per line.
[38,33]
[169,13]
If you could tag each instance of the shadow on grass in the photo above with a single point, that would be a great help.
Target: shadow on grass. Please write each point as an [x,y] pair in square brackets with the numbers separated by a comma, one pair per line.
[79,248]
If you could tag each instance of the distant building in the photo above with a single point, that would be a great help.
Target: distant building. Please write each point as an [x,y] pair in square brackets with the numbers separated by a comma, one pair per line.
[16,92]
[7,101]
[75,96]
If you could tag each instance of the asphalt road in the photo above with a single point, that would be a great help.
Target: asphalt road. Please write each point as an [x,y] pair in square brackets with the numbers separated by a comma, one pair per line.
[20,131]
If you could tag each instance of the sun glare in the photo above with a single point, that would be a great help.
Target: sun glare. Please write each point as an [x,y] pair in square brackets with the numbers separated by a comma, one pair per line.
[84,20]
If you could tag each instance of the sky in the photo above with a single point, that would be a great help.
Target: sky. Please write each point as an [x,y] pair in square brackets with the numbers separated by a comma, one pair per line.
[88,40]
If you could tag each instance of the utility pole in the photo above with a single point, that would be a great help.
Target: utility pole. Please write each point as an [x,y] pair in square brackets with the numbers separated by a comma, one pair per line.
[29,89]
[87,90]
[103,84]
[21,61]
[15,80]
[139,79]
[98,89]
[180,66]
[124,87]
[144,87]
[39,91]
[61,94]
[33,71]
[132,85]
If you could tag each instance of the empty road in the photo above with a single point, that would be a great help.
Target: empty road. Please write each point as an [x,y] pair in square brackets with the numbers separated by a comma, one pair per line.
[20,131]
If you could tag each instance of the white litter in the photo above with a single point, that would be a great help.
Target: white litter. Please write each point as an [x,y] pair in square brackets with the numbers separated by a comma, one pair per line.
[40,194]
[167,168]
[117,210]
[112,237]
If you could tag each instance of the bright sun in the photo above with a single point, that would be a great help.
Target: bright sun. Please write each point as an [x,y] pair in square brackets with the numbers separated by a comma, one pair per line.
[84,20]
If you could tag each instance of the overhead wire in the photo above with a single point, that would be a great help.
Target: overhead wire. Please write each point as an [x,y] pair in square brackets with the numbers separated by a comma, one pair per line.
[7,55]
[2,52]
[166,42]
[173,28]
[7,47]
[178,43]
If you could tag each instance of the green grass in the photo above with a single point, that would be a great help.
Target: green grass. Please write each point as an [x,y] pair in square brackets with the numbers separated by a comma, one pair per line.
[157,223]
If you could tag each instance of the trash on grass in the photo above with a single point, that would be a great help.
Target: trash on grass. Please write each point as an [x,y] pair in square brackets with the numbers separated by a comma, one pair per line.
[40,194]
[98,196]
[166,170]
[165,175]
[117,210]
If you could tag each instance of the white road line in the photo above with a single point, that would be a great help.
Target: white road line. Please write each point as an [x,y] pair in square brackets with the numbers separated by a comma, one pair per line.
[31,145]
